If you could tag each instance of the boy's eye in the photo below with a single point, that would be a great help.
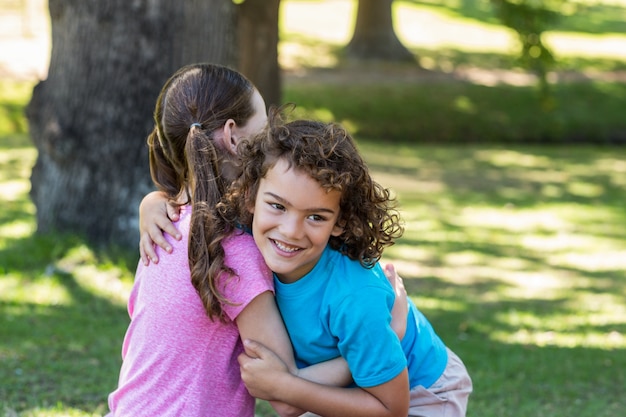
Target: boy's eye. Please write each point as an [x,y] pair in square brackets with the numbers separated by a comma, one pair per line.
[317,218]
[277,206]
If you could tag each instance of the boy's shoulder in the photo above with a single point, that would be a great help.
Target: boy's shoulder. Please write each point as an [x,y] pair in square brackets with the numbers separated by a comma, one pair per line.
[352,271]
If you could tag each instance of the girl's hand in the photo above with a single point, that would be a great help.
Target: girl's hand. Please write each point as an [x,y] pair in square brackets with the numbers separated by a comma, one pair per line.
[400,306]
[156,215]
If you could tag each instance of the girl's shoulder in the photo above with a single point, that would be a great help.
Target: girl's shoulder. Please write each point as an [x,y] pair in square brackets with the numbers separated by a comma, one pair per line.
[239,241]
[242,254]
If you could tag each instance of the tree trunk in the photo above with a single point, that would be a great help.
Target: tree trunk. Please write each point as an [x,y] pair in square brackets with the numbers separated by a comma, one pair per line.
[89,120]
[258,47]
[374,37]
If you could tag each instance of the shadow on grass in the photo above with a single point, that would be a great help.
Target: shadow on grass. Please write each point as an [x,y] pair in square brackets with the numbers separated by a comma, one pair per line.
[60,342]
[422,112]
[504,253]
[521,378]
[516,256]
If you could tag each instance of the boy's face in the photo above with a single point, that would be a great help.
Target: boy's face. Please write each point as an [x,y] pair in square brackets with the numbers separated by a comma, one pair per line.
[294,217]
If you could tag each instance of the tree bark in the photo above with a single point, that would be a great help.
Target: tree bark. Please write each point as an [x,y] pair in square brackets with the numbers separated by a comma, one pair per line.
[374,37]
[258,47]
[90,118]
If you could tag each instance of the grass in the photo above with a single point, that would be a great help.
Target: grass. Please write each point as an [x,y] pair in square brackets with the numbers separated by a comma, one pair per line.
[455,42]
[516,252]
[454,112]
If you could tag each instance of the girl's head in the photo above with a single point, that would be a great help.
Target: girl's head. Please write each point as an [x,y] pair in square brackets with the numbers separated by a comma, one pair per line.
[363,214]
[201,114]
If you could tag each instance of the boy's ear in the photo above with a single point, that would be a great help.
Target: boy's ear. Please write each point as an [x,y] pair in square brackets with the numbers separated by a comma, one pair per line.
[249,203]
[337,230]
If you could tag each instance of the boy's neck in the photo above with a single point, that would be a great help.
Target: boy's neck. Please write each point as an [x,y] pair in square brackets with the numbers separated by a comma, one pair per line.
[288,280]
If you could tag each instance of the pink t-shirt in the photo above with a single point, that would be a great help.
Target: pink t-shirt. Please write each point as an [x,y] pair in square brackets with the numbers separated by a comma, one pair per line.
[176,361]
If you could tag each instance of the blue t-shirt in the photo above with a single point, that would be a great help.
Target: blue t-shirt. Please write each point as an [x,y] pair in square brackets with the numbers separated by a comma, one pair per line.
[342,309]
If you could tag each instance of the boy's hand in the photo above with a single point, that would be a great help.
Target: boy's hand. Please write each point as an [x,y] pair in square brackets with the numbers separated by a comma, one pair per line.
[155,218]
[260,369]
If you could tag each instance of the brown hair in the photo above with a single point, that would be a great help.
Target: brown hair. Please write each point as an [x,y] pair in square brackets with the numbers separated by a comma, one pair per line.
[185,163]
[327,153]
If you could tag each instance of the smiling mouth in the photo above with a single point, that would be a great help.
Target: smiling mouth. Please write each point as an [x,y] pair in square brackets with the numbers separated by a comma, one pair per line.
[285,248]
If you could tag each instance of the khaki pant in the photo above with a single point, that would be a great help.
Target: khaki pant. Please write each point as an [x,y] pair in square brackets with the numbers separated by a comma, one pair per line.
[447,397]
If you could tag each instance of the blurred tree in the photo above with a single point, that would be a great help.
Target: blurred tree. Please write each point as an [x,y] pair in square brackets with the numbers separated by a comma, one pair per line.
[530,19]
[374,35]
[90,118]
[258,46]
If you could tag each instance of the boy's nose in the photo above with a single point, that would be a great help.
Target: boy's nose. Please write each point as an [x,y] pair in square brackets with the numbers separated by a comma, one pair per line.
[291,227]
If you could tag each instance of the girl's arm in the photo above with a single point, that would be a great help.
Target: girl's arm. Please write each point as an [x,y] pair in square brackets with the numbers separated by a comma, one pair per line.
[156,215]
[319,377]
[260,320]
[268,378]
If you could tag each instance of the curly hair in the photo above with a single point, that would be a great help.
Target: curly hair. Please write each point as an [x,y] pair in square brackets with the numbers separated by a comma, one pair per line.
[186,164]
[327,153]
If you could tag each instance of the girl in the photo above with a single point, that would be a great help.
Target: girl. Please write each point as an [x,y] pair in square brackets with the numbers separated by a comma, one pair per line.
[321,224]
[188,312]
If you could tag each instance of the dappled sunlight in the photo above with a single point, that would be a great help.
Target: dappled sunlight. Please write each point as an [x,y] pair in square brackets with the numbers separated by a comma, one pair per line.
[16,167]
[511,220]
[110,282]
[295,55]
[44,291]
[508,284]
[599,261]
[514,266]
[596,328]
[404,183]
[434,29]
[332,21]
[59,410]
[615,169]
[15,229]
[14,190]
[426,302]
[510,158]
[517,256]
[557,243]
[584,189]
[587,45]
[330,25]
[588,339]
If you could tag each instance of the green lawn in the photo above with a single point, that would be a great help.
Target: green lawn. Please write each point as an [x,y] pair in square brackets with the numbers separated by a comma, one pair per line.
[516,252]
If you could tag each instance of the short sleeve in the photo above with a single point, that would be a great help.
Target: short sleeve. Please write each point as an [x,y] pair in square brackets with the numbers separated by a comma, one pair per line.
[366,340]
[253,275]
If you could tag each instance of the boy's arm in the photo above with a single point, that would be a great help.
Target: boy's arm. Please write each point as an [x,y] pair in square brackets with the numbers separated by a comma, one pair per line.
[336,372]
[156,215]
[268,378]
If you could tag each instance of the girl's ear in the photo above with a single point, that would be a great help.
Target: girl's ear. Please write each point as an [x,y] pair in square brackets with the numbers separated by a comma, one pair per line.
[229,140]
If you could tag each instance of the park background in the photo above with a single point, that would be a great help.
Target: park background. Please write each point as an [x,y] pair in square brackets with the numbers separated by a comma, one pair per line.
[514,248]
